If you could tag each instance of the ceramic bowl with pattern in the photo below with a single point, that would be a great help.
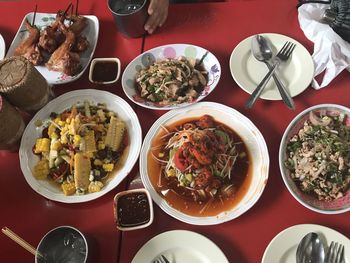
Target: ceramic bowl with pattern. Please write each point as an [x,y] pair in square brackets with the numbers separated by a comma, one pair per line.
[171,51]
[308,158]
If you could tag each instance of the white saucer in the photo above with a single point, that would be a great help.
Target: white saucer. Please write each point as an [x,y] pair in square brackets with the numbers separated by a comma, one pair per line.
[296,74]
[180,246]
[283,247]
[2,47]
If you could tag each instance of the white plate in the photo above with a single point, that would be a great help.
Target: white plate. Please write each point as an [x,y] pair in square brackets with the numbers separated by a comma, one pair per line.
[2,47]
[247,131]
[211,64]
[296,73]
[180,246]
[283,247]
[42,20]
[32,132]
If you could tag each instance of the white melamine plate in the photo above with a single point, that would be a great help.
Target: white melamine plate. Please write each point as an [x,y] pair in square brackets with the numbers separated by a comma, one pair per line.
[246,130]
[210,63]
[283,247]
[114,103]
[180,246]
[296,73]
[41,21]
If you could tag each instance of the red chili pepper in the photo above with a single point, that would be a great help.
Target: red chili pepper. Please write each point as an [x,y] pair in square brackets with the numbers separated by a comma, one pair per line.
[179,160]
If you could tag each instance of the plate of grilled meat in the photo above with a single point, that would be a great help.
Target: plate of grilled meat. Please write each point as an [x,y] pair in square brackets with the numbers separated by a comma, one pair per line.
[59,45]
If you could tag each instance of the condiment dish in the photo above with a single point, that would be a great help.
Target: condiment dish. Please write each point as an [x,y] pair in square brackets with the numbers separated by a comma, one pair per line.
[133,209]
[104,70]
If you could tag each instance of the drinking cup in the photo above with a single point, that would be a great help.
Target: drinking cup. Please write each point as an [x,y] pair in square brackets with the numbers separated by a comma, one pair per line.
[130,16]
[63,244]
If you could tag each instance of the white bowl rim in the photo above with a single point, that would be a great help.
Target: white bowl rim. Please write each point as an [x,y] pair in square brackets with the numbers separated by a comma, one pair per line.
[281,164]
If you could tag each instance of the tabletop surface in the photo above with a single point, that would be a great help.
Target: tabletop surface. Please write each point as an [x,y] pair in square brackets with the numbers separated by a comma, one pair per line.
[218,27]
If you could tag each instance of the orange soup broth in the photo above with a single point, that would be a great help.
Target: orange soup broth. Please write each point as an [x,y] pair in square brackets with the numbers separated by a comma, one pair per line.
[211,208]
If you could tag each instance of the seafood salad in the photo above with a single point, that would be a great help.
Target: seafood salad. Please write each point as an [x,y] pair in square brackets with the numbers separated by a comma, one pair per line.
[80,148]
[172,81]
[318,157]
[201,161]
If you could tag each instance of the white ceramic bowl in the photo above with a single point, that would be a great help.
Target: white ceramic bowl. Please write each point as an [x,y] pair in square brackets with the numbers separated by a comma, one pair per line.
[59,104]
[337,206]
[63,244]
[95,61]
[248,132]
[211,64]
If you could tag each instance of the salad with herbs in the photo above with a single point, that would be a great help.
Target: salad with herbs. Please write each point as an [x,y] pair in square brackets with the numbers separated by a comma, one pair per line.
[318,156]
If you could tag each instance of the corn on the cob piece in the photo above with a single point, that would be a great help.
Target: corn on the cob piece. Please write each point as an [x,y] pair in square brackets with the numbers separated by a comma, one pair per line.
[108,167]
[51,130]
[82,168]
[95,186]
[42,145]
[41,169]
[68,188]
[115,133]
[90,141]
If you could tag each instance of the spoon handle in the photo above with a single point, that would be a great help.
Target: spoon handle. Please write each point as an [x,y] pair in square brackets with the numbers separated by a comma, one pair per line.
[282,89]
[256,93]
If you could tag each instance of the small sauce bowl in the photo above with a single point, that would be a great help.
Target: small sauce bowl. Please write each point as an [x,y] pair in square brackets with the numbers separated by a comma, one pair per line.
[104,70]
[133,209]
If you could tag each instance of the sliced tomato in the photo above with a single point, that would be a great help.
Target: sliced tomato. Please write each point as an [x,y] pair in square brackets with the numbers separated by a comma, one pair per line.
[60,171]
[179,160]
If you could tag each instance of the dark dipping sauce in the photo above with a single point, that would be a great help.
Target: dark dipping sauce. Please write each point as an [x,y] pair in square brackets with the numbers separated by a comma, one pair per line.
[179,197]
[105,71]
[133,209]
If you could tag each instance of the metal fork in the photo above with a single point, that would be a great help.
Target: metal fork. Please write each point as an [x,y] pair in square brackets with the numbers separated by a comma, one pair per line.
[161,259]
[282,56]
[335,253]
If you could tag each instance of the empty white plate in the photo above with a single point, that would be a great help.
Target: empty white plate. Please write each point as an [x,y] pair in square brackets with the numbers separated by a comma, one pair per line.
[296,73]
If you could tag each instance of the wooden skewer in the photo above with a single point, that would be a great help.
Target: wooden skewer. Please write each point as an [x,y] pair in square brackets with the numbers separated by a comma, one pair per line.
[21,241]
[71,15]
[36,8]
[67,9]
[76,8]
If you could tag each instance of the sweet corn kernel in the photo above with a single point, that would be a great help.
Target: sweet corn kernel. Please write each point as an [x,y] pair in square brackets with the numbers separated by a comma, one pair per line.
[108,167]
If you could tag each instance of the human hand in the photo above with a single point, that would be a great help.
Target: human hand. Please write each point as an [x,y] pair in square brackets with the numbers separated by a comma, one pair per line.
[158,13]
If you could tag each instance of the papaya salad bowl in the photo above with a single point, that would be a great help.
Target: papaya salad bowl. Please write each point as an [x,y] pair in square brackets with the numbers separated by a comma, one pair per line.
[204,164]
[314,158]
[80,146]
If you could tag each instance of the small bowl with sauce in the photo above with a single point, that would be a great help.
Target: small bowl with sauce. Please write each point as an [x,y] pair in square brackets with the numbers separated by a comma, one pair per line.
[104,70]
[133,209]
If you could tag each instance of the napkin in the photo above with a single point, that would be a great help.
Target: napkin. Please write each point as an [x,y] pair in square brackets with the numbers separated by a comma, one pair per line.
[331,53]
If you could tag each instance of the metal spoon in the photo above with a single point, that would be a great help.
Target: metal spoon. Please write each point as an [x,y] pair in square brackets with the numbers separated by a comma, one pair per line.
[310,249]
[262,51]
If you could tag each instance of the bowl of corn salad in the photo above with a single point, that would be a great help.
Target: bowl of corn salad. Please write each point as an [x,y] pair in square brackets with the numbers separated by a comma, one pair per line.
[80,146]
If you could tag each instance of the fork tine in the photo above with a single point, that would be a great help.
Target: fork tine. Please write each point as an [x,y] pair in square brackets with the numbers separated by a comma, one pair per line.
[165,259]
[340,254]
[329,253]
[283,48]
[290,50]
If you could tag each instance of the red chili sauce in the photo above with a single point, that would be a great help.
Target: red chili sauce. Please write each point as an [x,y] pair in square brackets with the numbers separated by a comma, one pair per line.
[105,71]
[179,197]
[133,209]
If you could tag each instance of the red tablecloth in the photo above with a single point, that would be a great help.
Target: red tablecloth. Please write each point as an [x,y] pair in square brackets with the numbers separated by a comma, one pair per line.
[218,27]
[24,211]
